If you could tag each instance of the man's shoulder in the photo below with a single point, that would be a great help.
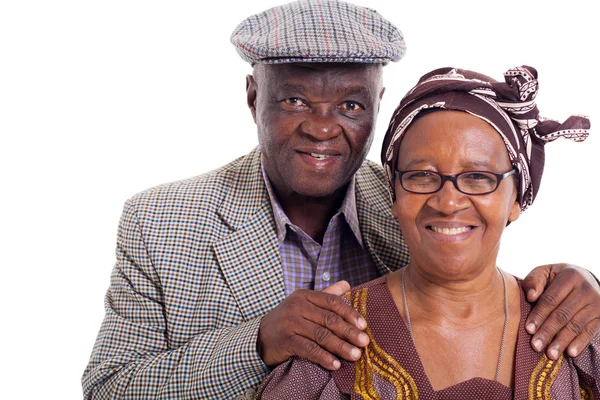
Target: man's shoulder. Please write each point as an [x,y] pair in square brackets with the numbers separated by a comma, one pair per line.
[371,169]
[372,186]
[207,188]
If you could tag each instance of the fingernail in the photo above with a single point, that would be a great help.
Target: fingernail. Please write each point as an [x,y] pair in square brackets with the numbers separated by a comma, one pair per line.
[362,324]
[363,338]
[355,353]
[537,344]
[336,364]
[573,351]
[531,293]
[553,353]
[530,328]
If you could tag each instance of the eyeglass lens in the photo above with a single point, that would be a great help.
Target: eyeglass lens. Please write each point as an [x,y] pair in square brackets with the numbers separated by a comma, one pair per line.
[468,182]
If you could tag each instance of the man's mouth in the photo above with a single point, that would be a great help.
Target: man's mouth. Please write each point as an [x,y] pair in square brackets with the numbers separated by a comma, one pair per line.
[319,156]
[450,231]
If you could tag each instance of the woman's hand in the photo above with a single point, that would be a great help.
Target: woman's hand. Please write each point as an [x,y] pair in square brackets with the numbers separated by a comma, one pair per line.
[567,313]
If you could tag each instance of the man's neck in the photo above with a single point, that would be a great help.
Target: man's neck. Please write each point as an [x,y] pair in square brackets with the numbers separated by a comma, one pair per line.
[311,214]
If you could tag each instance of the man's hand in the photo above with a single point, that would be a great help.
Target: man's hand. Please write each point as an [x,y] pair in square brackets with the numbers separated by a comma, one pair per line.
[567,312]
[313,325]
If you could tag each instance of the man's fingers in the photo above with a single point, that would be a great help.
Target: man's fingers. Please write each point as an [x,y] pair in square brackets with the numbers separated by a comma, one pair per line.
[338,288]
[308,349]
[324,321]
[591,330]
[332,327]
[329,341]
[549,301]
[569,332]
[336,305]
[535,282]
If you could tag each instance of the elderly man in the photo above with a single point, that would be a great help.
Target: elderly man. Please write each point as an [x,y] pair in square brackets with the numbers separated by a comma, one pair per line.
[222,276]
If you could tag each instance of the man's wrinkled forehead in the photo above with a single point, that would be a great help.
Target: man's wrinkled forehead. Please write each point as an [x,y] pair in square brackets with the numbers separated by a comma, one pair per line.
[299,72]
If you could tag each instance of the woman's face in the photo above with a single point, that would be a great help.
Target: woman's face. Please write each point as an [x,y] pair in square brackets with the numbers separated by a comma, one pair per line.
[450,234]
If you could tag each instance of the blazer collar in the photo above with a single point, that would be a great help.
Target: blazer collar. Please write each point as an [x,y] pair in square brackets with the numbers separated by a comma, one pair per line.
[249,255]
[246,193]
[380,230]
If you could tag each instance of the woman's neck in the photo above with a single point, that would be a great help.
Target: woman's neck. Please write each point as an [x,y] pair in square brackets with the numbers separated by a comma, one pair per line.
[474,300]
[458,325]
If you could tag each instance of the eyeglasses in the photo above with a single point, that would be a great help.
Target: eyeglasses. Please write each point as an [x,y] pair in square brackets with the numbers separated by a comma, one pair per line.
[469,182]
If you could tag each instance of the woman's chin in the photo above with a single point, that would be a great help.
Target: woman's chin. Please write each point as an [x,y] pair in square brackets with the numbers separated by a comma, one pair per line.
[449,269]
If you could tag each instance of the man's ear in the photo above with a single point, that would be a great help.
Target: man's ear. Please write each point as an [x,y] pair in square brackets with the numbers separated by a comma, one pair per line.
[380,97]
[251,95]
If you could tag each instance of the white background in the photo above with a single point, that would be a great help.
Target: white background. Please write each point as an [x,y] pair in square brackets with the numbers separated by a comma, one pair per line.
[100,100]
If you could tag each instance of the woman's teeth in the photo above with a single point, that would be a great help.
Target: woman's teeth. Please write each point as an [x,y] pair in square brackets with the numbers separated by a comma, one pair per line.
[450,231]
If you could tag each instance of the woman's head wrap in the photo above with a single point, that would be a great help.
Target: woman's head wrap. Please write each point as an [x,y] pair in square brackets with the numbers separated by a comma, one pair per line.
[509,107]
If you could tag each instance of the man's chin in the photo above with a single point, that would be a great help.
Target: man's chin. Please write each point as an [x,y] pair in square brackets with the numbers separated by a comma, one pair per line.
[318,189]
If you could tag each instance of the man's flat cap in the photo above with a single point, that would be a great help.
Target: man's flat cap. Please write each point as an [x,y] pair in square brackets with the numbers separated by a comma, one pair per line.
[318,31]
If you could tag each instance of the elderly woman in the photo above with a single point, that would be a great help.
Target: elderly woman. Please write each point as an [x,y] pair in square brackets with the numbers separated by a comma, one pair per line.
[464,155]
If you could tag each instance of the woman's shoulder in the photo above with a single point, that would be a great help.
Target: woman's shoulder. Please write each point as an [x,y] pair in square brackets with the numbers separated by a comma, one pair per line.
[365,289]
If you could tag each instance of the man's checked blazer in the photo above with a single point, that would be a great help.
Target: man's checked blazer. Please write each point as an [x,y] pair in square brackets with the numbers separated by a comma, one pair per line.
[197,267]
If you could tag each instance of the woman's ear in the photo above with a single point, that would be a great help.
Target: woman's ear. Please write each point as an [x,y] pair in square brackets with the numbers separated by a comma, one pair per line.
[515,212]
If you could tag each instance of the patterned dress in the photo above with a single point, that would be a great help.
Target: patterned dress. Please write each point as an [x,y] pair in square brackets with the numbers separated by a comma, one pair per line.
[390,367]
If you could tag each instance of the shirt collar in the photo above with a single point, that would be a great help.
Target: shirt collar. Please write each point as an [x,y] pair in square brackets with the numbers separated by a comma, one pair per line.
[347,209]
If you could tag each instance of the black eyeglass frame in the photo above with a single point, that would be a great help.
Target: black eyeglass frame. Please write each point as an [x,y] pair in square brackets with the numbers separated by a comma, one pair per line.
[453,179]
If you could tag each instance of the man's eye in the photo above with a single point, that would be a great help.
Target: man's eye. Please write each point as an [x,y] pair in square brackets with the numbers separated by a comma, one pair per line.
[352,106]
[294,101]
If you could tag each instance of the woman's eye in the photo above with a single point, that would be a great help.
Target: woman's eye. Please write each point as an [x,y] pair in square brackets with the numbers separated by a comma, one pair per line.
[420,176]
[474,176]
[352,106]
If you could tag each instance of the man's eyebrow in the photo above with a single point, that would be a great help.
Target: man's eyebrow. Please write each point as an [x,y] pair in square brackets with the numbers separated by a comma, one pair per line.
[353,90]
[294,88]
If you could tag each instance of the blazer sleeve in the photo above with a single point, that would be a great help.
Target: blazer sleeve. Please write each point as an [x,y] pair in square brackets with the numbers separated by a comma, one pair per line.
[300,379]
[132,357]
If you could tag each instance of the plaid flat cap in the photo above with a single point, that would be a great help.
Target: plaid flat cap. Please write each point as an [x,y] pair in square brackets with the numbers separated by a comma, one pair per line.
[318,31]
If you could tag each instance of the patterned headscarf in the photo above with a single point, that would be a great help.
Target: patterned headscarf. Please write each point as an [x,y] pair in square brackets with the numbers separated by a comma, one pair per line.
[509,107]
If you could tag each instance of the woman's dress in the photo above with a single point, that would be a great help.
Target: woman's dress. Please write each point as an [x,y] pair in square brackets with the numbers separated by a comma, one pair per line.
[390,367]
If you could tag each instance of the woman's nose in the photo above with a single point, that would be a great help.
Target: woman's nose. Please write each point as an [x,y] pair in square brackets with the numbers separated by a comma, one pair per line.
[449,200]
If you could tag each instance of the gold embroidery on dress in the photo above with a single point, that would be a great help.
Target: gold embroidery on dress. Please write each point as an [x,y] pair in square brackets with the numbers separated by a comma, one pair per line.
[543,377]
[586,392]
[376,361]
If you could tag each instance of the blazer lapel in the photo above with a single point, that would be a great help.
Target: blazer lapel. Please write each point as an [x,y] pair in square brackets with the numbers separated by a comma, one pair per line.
[249,256]
[380,230]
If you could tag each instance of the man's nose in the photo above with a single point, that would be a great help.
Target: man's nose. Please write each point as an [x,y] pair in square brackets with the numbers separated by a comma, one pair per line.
[321,124]
[449,200]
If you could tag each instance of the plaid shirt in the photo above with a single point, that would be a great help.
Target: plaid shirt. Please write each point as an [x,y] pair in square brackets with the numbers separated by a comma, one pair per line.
[198,265]
[309,265]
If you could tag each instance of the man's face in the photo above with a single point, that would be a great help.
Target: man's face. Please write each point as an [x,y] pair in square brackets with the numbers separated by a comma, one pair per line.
[315,123]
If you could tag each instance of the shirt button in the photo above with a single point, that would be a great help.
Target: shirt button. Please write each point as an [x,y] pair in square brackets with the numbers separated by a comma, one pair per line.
[326,276]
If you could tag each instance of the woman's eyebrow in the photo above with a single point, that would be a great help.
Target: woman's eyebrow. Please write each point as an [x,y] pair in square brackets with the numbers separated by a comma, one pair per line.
[472,165]
[481,164]
[418,161]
